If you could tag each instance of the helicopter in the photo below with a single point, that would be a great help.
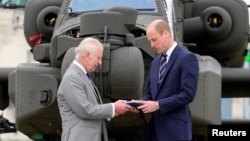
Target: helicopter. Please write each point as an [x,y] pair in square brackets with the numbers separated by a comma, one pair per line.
[212,29]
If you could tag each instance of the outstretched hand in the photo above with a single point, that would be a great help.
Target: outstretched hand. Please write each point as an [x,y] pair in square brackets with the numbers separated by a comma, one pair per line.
[147,106]
[121,107]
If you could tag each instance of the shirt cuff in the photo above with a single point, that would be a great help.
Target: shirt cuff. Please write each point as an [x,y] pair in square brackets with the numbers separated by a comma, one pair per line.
[157,105]
[113,108]
[113,112]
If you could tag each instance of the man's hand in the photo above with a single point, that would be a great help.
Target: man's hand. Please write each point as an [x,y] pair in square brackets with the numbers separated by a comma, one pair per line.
[121,107]
[134,110]
[148,106]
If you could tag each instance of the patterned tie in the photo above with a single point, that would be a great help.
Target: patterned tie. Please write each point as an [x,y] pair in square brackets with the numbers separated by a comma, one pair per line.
[96,91]
[163,65]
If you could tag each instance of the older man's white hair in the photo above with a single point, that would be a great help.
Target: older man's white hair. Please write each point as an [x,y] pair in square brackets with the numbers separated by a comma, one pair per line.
[87,45]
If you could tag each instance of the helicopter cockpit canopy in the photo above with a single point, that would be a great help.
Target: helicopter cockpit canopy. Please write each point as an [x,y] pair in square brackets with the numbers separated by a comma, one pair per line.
[77,6]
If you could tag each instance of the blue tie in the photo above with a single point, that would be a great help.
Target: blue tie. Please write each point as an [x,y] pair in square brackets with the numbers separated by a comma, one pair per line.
[96,91]
[163,65]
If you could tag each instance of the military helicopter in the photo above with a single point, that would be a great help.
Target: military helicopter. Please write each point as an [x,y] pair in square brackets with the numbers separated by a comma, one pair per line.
[212,29]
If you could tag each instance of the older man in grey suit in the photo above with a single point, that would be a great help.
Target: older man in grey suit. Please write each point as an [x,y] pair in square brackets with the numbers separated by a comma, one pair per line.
[82,111]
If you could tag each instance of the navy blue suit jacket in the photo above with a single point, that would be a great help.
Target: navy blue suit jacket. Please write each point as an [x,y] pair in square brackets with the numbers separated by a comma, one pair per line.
[173,120]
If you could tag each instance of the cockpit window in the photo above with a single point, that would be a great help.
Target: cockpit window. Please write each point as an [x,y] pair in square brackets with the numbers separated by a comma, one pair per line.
[96,5]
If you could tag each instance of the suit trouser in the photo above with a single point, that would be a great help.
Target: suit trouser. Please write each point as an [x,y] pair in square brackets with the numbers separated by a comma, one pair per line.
[154,135]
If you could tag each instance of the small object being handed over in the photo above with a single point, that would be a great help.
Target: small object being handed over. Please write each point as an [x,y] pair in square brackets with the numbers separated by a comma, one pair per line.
[133,103]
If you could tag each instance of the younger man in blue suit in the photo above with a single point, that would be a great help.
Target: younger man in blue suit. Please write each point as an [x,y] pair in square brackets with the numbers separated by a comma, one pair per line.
[171,87]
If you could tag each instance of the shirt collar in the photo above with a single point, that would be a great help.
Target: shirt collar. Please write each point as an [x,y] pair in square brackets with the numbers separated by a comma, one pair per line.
[170,50]
[80,66]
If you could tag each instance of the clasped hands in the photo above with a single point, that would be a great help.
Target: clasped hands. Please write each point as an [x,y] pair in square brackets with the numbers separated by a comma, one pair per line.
[122,107]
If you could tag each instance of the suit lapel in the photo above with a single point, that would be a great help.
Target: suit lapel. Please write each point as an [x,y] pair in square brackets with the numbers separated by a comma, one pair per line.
[95,90]
[97,94]
[86,80]
[155,74]
[171,60]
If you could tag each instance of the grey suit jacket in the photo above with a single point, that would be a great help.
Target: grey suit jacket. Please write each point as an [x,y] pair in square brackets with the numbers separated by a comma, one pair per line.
[83,118]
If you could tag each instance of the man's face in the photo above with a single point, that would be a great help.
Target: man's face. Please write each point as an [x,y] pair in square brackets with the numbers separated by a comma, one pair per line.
[94,60]
[158,42]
